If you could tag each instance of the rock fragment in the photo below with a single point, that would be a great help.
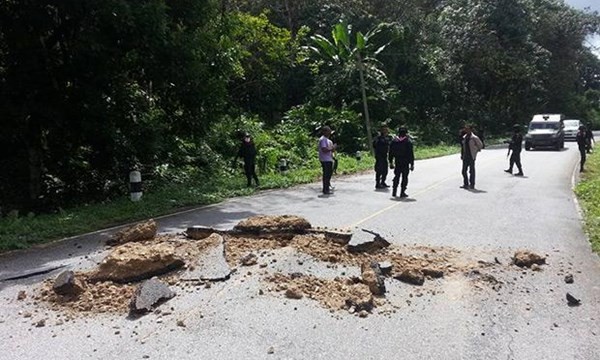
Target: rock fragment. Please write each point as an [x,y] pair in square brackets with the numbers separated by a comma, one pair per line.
[148,295]
[138,232]
[269,224]
[66,284]
[524,258]
[135,261]
[386,267]
[22,295]
[411,276]
[432,273]
[569,279]
[200,232]
[573,301]
[293,292]
[249,259]
[373,278]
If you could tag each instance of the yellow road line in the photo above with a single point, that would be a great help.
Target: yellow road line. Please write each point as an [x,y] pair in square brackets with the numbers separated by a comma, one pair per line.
[422,191]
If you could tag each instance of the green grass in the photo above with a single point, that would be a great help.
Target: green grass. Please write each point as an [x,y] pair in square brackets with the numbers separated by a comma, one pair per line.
[24,232]
[588,192]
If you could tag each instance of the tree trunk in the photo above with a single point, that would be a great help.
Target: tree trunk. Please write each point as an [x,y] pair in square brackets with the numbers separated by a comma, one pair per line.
[365,105]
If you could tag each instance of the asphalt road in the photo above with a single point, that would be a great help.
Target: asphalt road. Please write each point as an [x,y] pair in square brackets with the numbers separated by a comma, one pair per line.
[527,319]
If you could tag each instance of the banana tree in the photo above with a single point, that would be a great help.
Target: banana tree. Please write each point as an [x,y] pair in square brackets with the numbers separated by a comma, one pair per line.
[347,54]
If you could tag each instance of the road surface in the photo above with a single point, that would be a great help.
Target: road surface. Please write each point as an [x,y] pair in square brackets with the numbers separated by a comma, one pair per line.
[527,319]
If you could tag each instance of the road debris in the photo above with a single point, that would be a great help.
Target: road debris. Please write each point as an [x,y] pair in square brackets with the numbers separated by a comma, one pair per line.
[138,232]
[262,224]
[149,295]
[524,258]
[373,277]
[249,259]
[22,295]
[569,279]
[573,301]
[411,276]
[367,241]
[66,284]
[212,264]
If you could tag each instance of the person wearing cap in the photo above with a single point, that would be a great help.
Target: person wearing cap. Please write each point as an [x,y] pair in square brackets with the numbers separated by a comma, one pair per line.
[515,145]
[381,145]
[582,145]
[471,145]
[248,152]
[402,160]
[326,148]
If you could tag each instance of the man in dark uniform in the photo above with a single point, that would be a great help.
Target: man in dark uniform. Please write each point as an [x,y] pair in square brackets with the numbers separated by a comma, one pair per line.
[515,145]
[381,144]
[247,152]
[401,157]
[582,145]
[589,137]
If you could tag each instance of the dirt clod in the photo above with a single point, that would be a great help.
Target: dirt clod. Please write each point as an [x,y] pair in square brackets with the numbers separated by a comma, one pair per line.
[268,224]
[22,295]
[569,279]
[411,276]
[249,259]
[524,258]
[373,278]
[293,292]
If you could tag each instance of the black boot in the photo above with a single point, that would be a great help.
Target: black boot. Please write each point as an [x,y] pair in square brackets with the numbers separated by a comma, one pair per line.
[394,191]
[403,193]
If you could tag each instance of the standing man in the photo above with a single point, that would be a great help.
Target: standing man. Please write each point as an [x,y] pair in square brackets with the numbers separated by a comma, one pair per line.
[471,145]
[381,144]
[582,145]
[248,152]
[515,145]
[589,137]
[326,148]
[401,157]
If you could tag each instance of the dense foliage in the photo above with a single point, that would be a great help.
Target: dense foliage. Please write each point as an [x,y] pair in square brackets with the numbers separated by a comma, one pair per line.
[92,89]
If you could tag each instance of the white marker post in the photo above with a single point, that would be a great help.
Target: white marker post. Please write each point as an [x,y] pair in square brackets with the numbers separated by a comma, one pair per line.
[135,185]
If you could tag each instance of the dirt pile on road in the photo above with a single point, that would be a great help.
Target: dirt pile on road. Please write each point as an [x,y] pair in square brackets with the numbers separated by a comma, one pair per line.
[138,232]
[99,297]
[337,294]
[524,258]
[267,224]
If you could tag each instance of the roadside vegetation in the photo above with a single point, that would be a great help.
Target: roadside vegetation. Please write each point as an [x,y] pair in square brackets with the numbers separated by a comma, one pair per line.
[20,232]
[588,192]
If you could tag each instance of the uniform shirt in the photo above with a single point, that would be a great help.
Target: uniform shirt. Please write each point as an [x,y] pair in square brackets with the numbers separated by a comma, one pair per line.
[247,151]
[381,144]
[325,156]
[401,151]
[581,139]
[516,143]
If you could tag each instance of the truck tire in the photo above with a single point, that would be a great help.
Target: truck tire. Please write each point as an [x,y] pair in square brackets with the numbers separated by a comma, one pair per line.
[527,146]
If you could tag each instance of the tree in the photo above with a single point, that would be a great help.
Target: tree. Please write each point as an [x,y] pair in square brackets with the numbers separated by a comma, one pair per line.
[340,58]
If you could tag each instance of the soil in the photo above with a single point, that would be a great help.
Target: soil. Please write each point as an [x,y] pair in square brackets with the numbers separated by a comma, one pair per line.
[138,232]
[265,223]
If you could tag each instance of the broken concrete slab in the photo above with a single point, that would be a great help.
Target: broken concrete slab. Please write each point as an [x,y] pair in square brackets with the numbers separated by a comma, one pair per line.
[200,232]
[373,278]
[524,258]
[149,295]
[211,264]
[366,241]
[66,284]
[17,275]
[135,261]
[268,223]
[411,276]
[337,236]
[138,232]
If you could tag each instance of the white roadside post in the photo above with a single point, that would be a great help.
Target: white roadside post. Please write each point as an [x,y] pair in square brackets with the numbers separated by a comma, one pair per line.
[135,185]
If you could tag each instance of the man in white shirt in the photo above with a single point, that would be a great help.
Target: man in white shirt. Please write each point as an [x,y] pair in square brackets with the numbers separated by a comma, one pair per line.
[326,148]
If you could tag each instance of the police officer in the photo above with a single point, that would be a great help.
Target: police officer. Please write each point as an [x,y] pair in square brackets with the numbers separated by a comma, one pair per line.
[402,160]
[515,145]
[582,145]
[381,144]
[248,152]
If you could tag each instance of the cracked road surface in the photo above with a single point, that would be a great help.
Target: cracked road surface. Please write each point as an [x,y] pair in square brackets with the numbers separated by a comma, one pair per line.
[451,318]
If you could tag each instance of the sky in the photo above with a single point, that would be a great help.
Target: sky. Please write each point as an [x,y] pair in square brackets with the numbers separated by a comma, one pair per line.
[594,5]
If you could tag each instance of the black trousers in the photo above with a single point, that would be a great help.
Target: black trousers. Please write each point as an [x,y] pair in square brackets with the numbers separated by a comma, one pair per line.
[468,164]
[250,171]
[327,167]
[381,170]
[401,170]
[582,155]
[515,159]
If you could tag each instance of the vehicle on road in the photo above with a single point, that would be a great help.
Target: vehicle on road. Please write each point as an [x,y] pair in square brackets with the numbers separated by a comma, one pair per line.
[571,128]
[546,130]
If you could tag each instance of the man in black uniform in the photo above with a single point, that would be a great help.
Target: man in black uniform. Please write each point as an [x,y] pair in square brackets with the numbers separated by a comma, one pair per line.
[582,145]
[401,157]
[515,146]
[589,137]
[247,152]
[381,144]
